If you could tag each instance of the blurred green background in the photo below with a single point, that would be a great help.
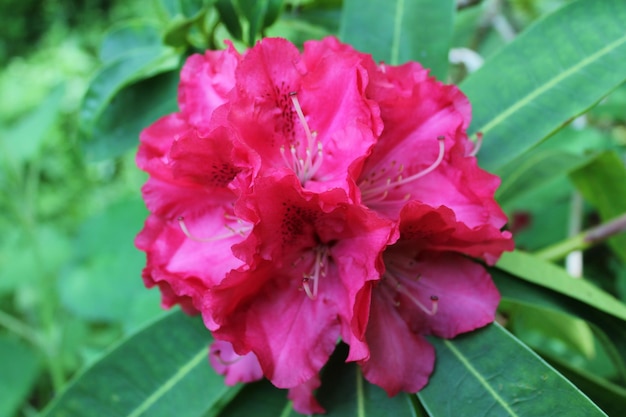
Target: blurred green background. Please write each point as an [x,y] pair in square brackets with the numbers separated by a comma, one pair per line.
[70,284]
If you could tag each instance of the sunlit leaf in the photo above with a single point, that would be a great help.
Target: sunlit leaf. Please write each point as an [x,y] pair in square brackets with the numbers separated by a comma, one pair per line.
[162,371]
[553,71]
[549,275]
[397,31]
[490,372]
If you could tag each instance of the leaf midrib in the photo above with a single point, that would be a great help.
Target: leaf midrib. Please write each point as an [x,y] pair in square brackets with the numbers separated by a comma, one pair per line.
[169,383]
[479,377]
[551,83]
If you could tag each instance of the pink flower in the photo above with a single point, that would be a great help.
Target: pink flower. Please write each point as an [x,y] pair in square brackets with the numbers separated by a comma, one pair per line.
[428,288]
[301,198]
[301,294]
[445,208]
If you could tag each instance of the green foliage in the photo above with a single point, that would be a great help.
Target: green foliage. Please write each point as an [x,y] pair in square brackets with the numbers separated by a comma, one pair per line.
[72,109]
[473,380]
[406,31]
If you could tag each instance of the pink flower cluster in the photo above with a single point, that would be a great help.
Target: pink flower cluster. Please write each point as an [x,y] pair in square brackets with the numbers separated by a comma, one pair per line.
[299,199]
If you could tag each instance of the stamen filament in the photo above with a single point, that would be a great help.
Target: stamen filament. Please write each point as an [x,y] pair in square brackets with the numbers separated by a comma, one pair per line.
[403,290]
[306,165]
[232,232]
[477,144]
[400,180]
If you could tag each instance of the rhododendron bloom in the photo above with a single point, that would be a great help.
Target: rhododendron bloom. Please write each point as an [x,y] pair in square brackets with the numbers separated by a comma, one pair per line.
[300,198]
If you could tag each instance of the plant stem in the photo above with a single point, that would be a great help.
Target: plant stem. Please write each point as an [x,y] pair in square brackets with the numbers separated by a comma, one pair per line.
[584,240]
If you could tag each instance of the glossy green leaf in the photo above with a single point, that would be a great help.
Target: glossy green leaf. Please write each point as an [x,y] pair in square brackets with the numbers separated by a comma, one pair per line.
[259,14]
[133,109]
[397,31]
[553,71]
[610,397]
[130,36]
[230,19]
[490,372]
[116,75]
[568,150]
[161,371]
[610,331]
[343,393]
[520,291]
[603,183]
[19,367]
[549,275]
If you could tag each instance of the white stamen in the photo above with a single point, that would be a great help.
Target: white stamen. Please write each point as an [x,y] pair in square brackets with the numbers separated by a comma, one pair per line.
[318,270]
[231,231]
[305,166]
[370,194]
[404,291]
[477,144]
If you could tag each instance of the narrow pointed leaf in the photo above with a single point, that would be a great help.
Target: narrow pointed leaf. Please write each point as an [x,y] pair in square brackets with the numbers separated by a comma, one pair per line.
[397,31]
[603,183]
[490,373]
[552,72]
[549,275]
[162,371]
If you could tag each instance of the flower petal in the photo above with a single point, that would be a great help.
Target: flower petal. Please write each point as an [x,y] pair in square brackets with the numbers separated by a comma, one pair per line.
[400,360]
[234,367]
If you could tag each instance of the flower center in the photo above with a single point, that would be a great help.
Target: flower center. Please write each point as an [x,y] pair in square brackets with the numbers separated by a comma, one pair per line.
[376,186]
[233,225]
[400,269]
[317,269]
[303,158]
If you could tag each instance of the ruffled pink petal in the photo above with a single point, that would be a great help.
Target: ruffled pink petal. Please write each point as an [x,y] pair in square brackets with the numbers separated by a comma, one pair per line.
[215,161]
[426,227]
[342,125]
[292,335]
[304,402]
[206,81]
[234,367]
[467,297]
[400,360]
[155,143]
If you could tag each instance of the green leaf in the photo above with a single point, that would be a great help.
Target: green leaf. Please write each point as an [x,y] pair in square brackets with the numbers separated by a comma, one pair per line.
[603,183]
[132,110]
[568,150]
[229,17]
[397,31]
[490,372]
[19,367]
[524,292]
[116,75]
[555,70]
[343,393]
[549,275]
[259,14]
[128,37]
[162,371]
